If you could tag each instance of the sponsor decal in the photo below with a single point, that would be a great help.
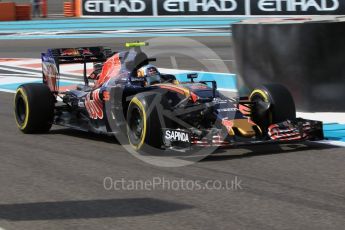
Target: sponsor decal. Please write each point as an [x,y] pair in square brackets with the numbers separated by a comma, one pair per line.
[228,124]
[211,7]
[176,135]
[117,7]
[245,109]
[297,7]
[94,105]
[201,86]
[50,73]
[69,52]
[227,110]
[86,52]
[201,7]
[75,52]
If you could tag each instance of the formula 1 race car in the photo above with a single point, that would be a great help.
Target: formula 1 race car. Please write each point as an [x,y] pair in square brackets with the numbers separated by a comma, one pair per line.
[130,98]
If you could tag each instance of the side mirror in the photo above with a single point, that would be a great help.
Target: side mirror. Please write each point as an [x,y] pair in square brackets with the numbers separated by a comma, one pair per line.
[192,76]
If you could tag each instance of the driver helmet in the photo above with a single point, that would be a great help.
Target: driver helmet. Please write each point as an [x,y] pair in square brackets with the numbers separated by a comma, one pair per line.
[150,73]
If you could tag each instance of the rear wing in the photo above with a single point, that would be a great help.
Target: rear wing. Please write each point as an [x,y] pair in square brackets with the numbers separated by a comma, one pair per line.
[52,60]
[79,55]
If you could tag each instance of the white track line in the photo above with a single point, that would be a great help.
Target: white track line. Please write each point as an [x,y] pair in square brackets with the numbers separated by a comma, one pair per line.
[14,80]
[324,117]
[218,60]
[7,91]
[334,143]
[19,71]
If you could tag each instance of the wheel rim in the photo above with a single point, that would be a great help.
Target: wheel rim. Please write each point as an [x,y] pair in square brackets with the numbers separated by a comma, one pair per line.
[20,110]
[261,118]
[258,99]
[136,124]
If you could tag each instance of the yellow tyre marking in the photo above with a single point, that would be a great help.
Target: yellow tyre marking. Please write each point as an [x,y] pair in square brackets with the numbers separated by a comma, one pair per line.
[143,135]
[26,101]
[260,130]
[260,92]
[264,95]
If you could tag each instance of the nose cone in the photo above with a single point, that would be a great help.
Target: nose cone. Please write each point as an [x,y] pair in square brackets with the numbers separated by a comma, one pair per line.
[245,128]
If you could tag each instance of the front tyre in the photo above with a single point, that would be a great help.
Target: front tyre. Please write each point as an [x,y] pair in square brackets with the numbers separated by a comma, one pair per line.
[274,104]
[143,123]
[34,108]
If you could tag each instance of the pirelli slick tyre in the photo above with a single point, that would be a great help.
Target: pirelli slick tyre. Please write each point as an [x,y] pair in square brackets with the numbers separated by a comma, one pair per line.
[143,123]
[34,108]
[275,104]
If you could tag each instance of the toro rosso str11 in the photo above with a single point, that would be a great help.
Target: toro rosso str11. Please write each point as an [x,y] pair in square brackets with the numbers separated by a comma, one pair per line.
[127,96]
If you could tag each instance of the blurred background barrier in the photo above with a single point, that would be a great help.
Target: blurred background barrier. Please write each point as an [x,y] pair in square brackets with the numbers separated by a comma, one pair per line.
[7,11]
[306,55]
[49,8]
[23,12]
[69,9]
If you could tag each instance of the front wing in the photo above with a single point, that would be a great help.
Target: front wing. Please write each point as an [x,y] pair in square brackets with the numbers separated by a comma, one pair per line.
[296,130]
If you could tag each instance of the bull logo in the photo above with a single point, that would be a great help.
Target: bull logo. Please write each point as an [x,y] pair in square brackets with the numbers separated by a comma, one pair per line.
[94,105]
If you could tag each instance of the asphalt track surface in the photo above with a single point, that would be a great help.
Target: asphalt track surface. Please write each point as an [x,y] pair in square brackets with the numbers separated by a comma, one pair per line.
[55,180]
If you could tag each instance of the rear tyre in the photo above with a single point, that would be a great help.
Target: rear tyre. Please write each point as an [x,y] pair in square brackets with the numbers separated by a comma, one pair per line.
[275,104]
[34,108]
